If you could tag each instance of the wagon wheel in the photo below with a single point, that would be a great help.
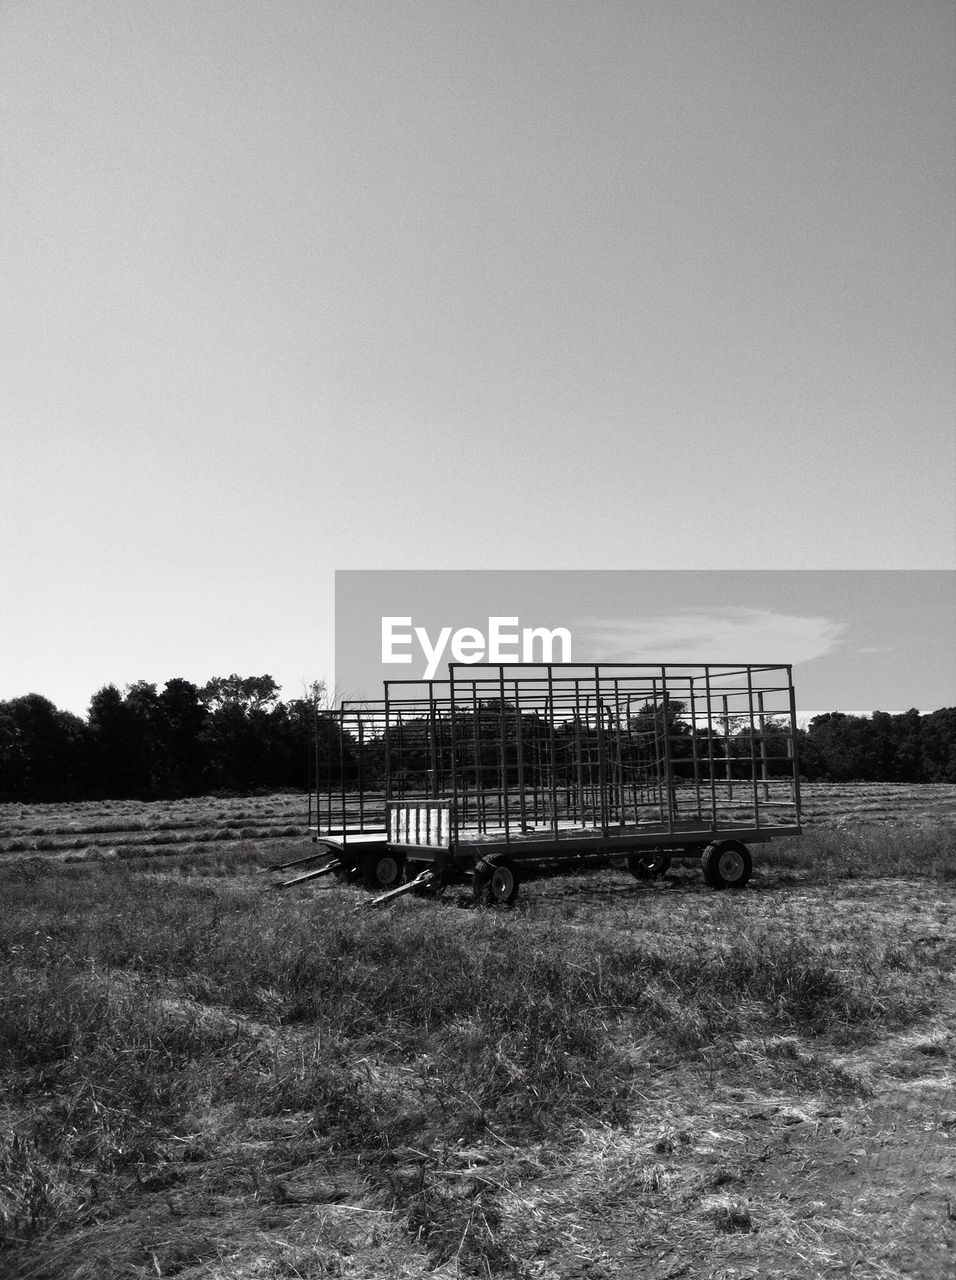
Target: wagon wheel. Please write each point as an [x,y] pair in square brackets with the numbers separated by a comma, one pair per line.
[439,881]
[381,870]
[495,881]
[727,864]
[648,866]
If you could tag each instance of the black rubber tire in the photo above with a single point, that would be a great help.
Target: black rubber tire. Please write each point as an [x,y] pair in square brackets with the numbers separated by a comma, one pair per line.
[495,881]
[726,864]
[382,870]
[648,866]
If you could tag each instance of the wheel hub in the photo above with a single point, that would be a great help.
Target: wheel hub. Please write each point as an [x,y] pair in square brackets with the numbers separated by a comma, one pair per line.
[387,871]
[502,883]
[730,865]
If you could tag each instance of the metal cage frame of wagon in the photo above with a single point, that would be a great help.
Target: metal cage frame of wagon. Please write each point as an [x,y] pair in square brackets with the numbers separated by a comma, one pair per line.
[561,760]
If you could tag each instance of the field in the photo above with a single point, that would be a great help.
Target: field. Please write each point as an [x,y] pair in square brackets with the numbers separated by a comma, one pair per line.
[613,1079]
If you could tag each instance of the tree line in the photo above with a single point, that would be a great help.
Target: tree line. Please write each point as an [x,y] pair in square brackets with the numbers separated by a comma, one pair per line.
[234,734]
[835,747]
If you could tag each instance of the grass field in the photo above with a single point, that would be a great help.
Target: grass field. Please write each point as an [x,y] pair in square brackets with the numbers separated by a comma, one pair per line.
[207,1079]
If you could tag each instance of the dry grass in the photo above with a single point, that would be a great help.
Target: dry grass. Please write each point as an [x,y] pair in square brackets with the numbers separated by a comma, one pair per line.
[133,828]
[207,1080]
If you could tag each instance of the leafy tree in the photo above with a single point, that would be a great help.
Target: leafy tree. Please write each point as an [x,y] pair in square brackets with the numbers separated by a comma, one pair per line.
[41,750]
[896,746]
[811,760]
[238,730]
[123,741]
[938,745]
[182,719]
[249,694]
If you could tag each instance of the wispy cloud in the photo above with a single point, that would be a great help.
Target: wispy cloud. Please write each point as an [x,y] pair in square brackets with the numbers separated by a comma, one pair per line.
[731,634]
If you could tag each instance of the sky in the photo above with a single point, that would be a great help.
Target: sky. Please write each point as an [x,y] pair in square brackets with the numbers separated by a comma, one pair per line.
[295,287]
[857,640]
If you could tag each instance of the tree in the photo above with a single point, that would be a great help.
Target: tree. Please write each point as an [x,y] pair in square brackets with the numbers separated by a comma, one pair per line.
[240,718]
[250,694]
[182,720]
[896,746]
[810,757]
[878,748]
[938,745]
[41,750]
[123,740]
[846,745]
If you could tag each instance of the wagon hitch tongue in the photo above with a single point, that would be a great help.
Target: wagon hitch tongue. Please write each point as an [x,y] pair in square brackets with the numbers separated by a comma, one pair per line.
[327,870]
[422,881]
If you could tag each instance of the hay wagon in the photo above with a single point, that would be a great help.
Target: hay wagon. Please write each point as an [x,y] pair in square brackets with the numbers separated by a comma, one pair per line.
[501,773]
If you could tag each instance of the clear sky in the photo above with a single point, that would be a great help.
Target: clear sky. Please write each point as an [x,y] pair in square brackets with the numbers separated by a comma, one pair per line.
[289,286]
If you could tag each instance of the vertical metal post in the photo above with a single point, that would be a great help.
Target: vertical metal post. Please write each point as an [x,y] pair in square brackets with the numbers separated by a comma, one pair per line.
[402,758]
[480,811]
[602,751]
[668,768]
[552,755]
[793,740]
[537,799]
[578,764]
[730,783]
[635,764]
[433,790]
[693,744]
[343,788]
[387,746]
[340,745]
[710,749]
[503,756]
[519,761]
[619,747]
[588,803]
[763,745]
[361,778]
[660,765]
[311,752]
[753,748]
[453,752]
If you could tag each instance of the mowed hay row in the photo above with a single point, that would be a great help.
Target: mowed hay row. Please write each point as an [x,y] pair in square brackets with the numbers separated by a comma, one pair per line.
[873,802]
[132,827]
[821,802]
[143,815]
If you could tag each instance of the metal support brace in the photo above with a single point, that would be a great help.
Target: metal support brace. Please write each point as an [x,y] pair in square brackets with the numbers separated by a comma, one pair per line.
[421,881]
[299,862]
[334,865]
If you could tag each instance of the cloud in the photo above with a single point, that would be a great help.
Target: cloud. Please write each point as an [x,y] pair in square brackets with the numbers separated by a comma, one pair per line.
[728,635]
